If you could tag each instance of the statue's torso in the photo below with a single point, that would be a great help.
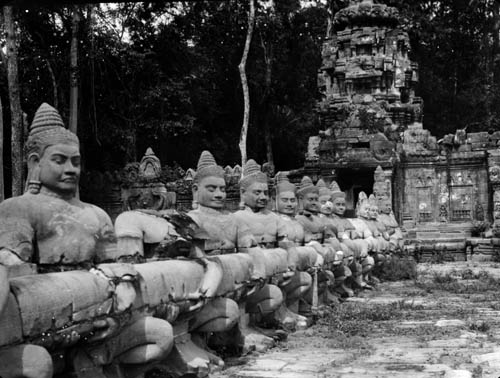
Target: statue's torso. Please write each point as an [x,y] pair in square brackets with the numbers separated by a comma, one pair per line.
[225,231]
[361,227]
[372,225]
[265,226]
[49,230]
[342,224]
[314,227]
[388,220]
[293,229]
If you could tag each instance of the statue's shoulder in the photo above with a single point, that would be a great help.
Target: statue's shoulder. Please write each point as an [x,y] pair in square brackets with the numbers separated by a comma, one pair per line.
[18,205]
[100,213]
[241,214]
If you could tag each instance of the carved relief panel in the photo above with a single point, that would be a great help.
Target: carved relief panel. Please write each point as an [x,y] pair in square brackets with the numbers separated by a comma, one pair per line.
[462,196]
[461,203]
[424,183]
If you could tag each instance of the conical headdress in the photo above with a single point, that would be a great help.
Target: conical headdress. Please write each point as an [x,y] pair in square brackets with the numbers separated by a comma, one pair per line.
[47,129]
[283,184]
[335,190]
[306,186]
[251,174]
[323,190]
[207,167]
[362,201]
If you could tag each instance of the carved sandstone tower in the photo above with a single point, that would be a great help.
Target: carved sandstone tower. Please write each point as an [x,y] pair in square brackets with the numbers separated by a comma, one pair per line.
[367,81]
[372,137]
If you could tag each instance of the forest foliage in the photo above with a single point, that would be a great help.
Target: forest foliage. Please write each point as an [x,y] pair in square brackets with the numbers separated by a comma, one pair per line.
[165,74]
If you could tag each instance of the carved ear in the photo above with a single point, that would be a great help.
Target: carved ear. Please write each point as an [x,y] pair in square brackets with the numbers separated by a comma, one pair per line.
[33,160]
[194,188]
[33,180]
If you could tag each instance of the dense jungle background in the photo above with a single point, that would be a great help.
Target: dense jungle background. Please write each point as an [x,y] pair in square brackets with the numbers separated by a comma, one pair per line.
[165,75]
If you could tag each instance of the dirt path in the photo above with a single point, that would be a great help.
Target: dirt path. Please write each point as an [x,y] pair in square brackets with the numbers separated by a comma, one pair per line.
[444,324]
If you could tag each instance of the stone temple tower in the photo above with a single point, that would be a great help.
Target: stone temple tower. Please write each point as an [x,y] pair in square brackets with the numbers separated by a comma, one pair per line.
[367,83]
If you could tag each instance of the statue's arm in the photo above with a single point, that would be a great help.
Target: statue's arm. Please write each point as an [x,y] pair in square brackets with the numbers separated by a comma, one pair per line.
[245,236]
[4,288]
[17,231]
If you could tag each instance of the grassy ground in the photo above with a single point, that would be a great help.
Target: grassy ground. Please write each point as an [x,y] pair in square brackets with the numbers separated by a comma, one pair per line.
[397,326]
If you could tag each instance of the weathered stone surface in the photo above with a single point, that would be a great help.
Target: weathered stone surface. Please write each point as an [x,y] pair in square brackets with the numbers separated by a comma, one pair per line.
[420,350]
[450,323]
[458,374]
[488,357]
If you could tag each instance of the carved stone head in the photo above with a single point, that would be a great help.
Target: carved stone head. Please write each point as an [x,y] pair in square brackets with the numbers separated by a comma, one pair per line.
[308,195]
[385,206]
[53,154]
[209,185]
[363,206]
[254,190]
[286,199]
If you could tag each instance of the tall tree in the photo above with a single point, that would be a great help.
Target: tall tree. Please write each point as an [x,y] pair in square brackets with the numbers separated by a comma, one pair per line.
[74,73]
[244,83]
[16,116]
[269,19]
[2,177]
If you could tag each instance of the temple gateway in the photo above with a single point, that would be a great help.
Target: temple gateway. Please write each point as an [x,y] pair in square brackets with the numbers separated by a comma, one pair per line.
[373,139]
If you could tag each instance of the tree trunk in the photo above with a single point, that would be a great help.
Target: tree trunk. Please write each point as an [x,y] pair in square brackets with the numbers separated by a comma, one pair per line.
[54,84]
[244,84]
[17,139]
[2,182]
[496,44]
[73,94]
[265,101]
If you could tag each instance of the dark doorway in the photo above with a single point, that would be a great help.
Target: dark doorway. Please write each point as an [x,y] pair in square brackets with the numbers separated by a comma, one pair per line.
[353,181]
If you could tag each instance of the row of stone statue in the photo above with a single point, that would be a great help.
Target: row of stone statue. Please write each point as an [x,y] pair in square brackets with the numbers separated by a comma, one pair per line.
[162,290]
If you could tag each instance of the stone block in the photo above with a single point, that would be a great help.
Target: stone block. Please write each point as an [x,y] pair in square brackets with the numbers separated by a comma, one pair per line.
[263,364]
[479,359]
[274,374]
[449,343]
[478,137]
[458,374]
[450,323]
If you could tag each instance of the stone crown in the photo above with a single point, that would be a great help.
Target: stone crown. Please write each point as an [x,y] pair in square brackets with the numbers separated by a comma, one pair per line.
[207,167]
[47,129]
[335,191]
[283,184]
[251,174]
[306,186]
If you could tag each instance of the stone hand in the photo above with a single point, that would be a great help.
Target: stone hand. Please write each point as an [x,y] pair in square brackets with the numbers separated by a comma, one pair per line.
[287,278]
[211,279]
[122,276]
[125,295]
[9,258]
[104,328]
[319,261]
